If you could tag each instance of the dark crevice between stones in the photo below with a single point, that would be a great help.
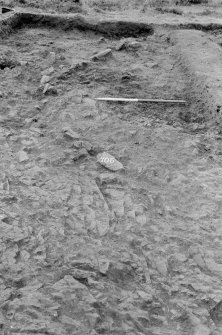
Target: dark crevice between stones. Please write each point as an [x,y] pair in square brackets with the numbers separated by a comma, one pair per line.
[6,10]
[83,281]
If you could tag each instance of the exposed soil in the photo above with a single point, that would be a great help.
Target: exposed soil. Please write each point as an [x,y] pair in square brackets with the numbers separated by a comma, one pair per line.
[85,250]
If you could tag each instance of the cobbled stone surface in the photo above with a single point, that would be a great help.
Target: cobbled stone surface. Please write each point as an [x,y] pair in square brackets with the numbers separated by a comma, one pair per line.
[88,251]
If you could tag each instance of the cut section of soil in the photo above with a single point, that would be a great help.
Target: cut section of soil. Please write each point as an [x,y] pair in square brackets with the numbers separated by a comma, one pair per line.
[110,28]
[202,59]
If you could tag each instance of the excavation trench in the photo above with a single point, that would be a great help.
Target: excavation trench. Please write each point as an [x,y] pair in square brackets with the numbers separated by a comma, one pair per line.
[114,29]
[85,250]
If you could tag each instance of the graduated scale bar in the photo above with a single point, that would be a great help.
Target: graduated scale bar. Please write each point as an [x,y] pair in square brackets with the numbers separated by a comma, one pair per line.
[141,100]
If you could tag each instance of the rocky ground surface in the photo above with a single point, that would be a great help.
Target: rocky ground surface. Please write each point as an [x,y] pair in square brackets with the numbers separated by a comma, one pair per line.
[133,247]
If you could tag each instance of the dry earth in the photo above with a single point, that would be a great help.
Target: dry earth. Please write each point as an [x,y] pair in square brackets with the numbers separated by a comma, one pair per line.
[85,250]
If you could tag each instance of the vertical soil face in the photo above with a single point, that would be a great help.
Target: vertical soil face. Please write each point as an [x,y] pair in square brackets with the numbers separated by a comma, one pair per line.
[85,250]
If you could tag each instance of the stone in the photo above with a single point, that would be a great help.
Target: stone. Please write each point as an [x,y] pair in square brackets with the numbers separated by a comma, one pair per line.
[131,215]
[52,57]
[134,45]
[161,265]
[115,194]
[68,132]
[23,63]
[81,154]
[133,132]
[101,54]
[153,64]
[89,147]
[102,39]
[124,45]
[13,113]
[49,89]
[104,266]
[67,320]
[216,313]
[45,79]
[79,65]
[128,203]
[141,219]
[48,71]
[107,178]
[117,206]
[145,296]
[202,330]
[139,209]
[25,255]
[109,162]
[93,318]
[121,45]
[22,156]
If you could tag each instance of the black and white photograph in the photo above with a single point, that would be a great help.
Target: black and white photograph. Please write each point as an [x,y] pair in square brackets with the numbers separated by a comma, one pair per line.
[110,167]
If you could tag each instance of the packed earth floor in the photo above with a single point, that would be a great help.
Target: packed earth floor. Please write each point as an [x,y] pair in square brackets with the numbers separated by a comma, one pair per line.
[85,250]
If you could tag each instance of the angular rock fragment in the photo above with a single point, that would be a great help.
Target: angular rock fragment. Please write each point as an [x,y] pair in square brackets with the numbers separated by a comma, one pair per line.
[115,194]
[117,207]
[131,214]
[49,89]
[141,219]
[48,71]
[101,55]
[121,46]
[216,314]
[81,154]
[145,296]
[128,45]
[109,162]
[79,65]
[52,57]
[104,266]
[45,79]
[22,156]
[68,132]
[107,178]
[139,209]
